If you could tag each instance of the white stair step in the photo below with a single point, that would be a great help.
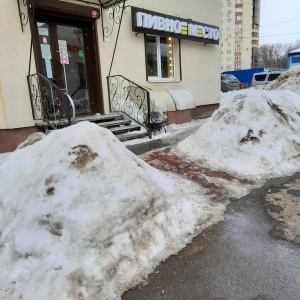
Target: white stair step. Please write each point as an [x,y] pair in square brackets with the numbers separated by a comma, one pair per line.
[122,129]
[114,123]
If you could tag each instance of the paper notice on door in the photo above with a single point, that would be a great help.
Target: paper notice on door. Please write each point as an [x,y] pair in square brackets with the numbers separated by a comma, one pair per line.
[63,50]
[62,47]
[46,51]
[43,31]
[48,68]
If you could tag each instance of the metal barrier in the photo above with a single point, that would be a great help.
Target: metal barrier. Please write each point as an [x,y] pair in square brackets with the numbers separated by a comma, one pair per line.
[49,103]
[131,99]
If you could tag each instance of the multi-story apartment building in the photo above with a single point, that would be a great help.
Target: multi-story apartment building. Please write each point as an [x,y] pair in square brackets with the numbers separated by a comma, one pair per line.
[240,34]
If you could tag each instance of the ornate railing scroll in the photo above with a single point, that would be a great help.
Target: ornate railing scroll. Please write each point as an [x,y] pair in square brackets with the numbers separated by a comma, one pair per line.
[112,18]
[24,13]
[109,3]
[49,103]
[131,99]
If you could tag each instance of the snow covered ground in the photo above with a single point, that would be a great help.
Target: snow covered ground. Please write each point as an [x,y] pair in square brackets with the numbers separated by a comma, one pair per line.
[254,134]
[81,217]
[288,80]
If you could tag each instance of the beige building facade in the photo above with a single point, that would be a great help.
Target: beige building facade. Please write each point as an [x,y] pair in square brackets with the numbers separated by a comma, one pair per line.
[106,56]
[240,34]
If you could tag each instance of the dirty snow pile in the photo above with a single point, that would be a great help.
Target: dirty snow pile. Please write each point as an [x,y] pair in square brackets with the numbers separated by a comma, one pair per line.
[82,217]
[254,134]
[288,80]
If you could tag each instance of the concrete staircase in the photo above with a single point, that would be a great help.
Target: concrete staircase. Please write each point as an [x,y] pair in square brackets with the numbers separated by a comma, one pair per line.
[121,126]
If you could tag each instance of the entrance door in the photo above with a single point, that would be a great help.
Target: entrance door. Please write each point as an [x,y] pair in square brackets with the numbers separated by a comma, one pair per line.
[65,57]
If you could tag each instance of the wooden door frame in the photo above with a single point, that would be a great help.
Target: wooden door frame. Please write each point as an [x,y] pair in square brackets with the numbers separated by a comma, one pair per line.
[92,59]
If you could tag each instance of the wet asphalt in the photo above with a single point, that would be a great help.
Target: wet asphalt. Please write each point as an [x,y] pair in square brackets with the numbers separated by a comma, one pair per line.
[242,258]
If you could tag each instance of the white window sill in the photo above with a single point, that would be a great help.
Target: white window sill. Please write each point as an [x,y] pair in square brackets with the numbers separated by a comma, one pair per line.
[158,80]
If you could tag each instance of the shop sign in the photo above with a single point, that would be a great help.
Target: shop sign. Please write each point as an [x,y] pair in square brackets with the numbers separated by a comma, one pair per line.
[150,22]
[64,59]
[63,51]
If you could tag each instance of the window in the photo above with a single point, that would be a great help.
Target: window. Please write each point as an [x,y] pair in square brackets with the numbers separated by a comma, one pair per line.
[238,34]
[229,4]
[260,77]
[160,57]
[239,42]
[230,77]
[237,58]
[228,20]
[238,26]
[238,18]
[228,28]
[273,76]
[228,59]
[237,65]
[228,51]
[237,50]
[238,1]
[229,36]
[228,44]
[228,12]
[239,9]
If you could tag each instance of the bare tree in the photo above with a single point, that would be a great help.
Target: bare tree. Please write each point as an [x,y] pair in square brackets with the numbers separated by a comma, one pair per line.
[274,55]
[296,45]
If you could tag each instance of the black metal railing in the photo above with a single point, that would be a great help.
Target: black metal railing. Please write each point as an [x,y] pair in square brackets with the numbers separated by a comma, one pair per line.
[131,99]
[49,103]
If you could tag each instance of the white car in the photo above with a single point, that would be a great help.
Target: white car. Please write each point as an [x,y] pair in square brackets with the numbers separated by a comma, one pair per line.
[264,77]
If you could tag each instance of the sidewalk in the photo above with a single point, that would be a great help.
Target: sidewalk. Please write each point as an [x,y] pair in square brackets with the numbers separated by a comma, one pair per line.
[164,160]
[237,259]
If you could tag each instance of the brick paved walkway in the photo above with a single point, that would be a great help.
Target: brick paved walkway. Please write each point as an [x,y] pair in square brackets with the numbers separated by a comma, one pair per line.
[163,160]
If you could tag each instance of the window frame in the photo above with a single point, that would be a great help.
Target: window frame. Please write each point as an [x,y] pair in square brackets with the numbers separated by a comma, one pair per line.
[159,78]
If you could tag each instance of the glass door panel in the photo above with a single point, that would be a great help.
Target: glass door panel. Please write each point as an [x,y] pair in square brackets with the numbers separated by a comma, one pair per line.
[46,48]
[73,65]
[51,100]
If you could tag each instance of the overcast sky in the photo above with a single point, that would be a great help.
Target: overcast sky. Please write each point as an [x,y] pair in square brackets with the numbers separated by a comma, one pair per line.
[279,11]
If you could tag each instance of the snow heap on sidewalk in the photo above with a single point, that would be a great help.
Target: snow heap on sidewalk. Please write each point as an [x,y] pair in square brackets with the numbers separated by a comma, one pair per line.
[288,80]
[253,134]
[82,217]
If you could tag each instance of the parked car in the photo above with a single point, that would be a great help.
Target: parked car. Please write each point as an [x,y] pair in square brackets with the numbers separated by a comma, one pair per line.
[230,83]
[263,78]
[245,85]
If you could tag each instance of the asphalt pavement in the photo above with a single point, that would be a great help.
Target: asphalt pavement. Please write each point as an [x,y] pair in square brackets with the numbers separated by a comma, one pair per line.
[245,257]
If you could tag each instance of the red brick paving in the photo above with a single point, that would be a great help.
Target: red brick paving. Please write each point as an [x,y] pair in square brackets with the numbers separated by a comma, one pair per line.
[162,159]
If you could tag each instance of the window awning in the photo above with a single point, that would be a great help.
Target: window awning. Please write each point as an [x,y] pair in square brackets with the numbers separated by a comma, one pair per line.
[102,3]
[109,3]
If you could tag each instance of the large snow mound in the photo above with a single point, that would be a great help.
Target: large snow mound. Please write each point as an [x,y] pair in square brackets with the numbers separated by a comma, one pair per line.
[288,80]
[82,217]
[253,134]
